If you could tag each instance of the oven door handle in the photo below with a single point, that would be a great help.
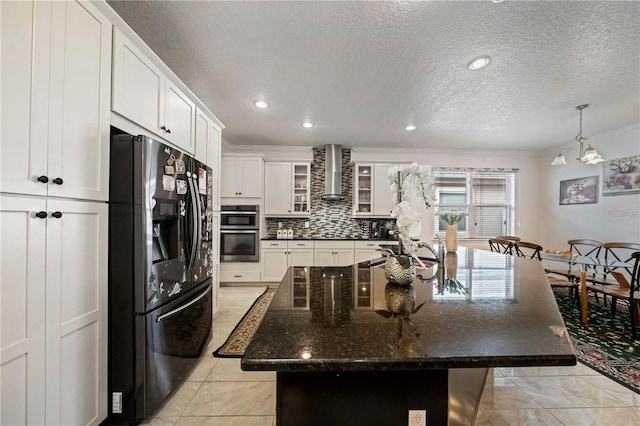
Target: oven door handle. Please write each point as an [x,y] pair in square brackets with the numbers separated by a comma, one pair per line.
[233,213]
[183,307]
[237,231]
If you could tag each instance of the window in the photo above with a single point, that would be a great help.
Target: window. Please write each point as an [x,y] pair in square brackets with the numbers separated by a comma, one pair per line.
[487,196]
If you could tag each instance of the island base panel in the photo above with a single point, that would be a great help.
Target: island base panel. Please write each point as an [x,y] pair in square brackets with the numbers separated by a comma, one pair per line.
[361,398]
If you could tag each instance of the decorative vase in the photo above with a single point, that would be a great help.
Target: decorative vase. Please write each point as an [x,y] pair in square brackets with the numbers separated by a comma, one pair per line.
[451,264]
[398,274]
[451,241]
[400,299]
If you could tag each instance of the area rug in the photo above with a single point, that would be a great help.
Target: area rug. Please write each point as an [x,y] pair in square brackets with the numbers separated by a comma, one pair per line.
[604,344]
[239,339]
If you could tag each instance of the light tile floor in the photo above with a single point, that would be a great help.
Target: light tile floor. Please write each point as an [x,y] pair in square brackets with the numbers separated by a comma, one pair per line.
[219,393]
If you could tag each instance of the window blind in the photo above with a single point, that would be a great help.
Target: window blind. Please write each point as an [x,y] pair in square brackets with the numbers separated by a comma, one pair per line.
[488,196]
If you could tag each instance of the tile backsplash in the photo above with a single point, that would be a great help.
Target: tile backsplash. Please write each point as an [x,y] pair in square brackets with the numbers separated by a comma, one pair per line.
[328,219]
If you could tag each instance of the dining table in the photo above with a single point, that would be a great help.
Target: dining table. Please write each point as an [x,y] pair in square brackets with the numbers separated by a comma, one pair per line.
[584,263]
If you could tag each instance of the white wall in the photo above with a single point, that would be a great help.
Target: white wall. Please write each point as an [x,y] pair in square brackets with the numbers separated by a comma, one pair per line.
[612,218]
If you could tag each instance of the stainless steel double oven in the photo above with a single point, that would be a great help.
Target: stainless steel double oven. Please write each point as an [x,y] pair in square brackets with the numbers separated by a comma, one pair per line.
[240,234]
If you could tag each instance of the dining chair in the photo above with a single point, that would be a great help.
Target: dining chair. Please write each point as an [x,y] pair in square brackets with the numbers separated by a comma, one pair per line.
[615,252]
[528,250]
[579,247]
[499,245]
[509,237]
[627,290]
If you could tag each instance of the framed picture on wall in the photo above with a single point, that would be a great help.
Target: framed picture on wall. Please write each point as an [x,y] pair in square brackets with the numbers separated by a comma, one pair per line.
[579,191]
[621,176]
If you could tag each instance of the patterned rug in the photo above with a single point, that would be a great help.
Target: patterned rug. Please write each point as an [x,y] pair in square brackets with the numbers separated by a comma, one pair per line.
[604,344]
[239,339]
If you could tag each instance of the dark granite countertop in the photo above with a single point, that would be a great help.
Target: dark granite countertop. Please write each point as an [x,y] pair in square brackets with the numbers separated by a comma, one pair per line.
[326,239]
[491,310]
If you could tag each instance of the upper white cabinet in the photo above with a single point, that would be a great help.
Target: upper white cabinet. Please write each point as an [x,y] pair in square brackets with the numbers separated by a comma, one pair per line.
[207,149]
[56,81]
[143,94]
[372,192]
[241,177]
[363,194]
[53,342]
[287,191]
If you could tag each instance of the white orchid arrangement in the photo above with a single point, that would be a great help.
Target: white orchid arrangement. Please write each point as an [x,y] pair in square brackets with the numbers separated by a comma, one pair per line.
[453,217]
[408,181]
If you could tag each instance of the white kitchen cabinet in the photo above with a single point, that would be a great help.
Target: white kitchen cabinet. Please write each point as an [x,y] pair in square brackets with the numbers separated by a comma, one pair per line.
[144,95]
[372,192]
[333,253]
[241,177]
[287,189]
[277,256]
[240,272]
[382,204]
[363,190]
[54,311]
[56,83]
[207,150]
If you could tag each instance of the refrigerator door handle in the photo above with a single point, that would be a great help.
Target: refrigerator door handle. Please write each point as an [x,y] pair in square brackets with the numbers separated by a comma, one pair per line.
[199,219]
[194,231]
[183,307]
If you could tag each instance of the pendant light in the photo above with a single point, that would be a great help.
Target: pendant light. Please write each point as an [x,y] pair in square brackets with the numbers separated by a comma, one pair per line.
[587,153]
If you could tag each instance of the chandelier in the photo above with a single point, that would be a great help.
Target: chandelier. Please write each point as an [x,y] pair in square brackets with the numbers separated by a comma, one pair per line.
[587,154]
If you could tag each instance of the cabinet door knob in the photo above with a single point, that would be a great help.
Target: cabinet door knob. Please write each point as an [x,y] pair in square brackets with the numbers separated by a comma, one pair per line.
[164,128]
[43,179]
[41,215]
[57,215]
[168,130]
[58,181]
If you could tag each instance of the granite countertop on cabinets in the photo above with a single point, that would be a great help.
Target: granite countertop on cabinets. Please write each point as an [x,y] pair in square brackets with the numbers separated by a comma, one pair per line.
[493,310]
[327,239]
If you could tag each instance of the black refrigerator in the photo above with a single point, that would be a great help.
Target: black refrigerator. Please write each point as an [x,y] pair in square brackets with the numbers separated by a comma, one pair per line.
[160,254]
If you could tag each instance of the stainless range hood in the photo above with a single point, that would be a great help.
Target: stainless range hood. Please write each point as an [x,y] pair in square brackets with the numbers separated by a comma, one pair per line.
[333,173]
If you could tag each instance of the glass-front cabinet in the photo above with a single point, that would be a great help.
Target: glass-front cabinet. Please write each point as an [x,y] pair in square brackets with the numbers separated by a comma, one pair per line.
[301,193]
[363,194]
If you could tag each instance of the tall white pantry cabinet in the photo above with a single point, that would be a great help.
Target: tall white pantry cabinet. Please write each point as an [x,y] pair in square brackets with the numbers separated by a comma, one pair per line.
[56,84]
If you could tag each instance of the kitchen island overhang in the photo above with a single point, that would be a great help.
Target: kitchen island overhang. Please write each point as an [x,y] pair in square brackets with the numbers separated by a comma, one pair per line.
[425,347]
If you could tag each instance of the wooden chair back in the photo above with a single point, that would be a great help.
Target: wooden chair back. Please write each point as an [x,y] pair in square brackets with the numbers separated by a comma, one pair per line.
[589,248]
[528,250]
[509,237]
[499,245]
[620,252]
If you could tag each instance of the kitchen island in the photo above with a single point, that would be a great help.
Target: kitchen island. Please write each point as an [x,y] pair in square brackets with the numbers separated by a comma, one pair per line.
[350,348]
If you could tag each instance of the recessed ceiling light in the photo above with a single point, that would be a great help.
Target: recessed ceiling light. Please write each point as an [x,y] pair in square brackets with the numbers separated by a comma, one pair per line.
[261,104]
[410,127]
[479,62]
[307,124]
[497,1]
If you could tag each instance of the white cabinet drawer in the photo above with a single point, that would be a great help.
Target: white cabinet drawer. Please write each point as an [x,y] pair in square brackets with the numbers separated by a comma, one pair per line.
[239,276]
[295,244]
[334,244]
[270,244]
[368,244]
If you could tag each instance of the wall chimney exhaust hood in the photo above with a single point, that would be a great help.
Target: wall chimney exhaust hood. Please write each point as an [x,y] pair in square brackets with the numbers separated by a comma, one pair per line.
[333,173]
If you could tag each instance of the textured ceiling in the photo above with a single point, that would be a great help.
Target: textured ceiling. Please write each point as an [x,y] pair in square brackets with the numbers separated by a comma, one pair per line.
[362,71]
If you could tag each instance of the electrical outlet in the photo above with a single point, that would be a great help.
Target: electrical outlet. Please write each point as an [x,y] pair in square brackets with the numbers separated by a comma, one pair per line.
[417,418]
[306,224]
[116,402]
[280,225]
